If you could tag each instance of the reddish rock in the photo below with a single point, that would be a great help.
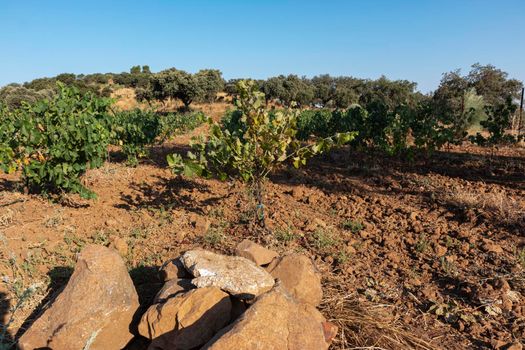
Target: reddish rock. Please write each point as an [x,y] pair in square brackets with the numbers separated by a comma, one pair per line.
[491,247]
[440,250]
[255,252]
[119,244]
[299,276]
[275,321]
[187,320]
[94,310]
[201,224]
[173,269]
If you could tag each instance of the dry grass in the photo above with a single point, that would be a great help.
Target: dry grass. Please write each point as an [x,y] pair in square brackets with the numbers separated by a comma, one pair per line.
[125,100]
[498,205]
[6,218]
[364,325]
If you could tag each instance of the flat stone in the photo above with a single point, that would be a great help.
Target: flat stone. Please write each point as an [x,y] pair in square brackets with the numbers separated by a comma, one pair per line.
[233,274]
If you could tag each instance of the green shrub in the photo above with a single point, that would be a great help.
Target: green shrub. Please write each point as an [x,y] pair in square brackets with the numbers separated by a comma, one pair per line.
[262,141]
[13,96]
[178,123]
[135,130]
[53,142]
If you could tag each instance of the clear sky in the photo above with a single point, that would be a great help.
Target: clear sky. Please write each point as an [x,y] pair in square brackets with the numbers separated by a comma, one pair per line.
[416,40]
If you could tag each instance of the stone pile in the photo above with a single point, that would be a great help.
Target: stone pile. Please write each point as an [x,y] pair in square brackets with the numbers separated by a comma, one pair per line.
[255,300]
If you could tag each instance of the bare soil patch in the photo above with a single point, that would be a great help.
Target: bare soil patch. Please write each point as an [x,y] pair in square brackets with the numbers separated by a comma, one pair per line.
[426,254]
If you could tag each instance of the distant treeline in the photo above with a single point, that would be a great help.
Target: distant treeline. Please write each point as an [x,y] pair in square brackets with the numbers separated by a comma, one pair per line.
[485,97]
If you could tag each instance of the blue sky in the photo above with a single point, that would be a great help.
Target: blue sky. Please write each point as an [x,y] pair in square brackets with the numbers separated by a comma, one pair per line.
[416,40]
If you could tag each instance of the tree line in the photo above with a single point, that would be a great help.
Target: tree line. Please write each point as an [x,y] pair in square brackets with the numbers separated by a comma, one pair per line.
[483,99]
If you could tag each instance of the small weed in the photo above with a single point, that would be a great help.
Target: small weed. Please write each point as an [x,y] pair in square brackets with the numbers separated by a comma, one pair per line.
[100,237]
[163,214]
[448,267]
[54,221]
[214,236]
[451,242]
[352,225]
[284,234]
[138,233]
[22,295]
[217,213]
[74,243]
[246,216]
[322,239]
[342,257]
[422,243]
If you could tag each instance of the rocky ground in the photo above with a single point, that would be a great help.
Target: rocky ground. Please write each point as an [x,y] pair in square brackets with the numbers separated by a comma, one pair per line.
[424,254]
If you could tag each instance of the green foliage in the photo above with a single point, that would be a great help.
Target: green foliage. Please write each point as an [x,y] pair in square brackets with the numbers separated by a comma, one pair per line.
[262,141]
[497,121]
[324,122]
[13,96]
[135,130]
[178,123]
[53,142]
[178,84]
[482,98]
[209,82]
[288,90]
[352,225]
[256,142]
[174,83]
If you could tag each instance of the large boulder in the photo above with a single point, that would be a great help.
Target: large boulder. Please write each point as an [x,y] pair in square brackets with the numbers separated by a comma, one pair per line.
[93,311]
[299,276]
[234,274]
[187,320]
[275,321]
[255,252]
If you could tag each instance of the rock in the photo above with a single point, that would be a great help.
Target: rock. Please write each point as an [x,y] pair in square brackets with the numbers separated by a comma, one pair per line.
[187,320]
[514,346]
[255,252]
[171,288]
[393,257]
[180,236]
[440,250]
[330,331]
[299,276]
[111,222]
[275,321]
[234,274]
[94,310]
[201,224]
[315,223]
[173,269]
[119,244]
[491,247]
[297,193]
